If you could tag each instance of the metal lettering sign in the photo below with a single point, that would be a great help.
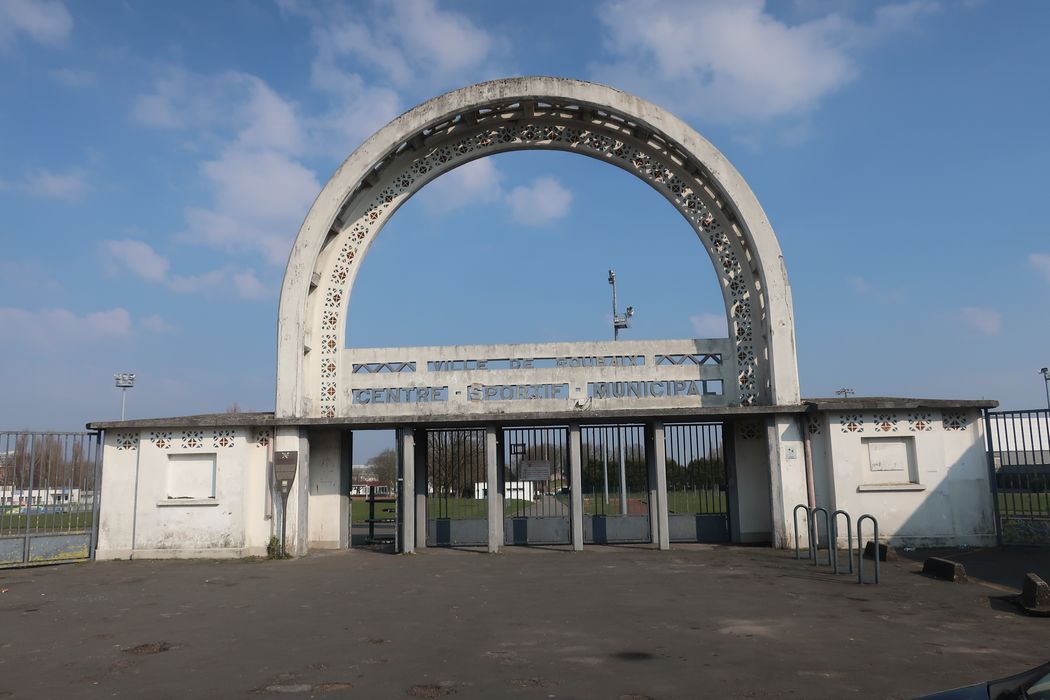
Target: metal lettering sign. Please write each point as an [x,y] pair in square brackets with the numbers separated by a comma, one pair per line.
[284,467]
[534,470]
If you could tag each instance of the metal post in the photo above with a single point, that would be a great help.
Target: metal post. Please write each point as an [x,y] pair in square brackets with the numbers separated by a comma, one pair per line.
[835,540]
[371,514]
[576,487]
[420,497]
[123,401]
[794,522]
[860,547]
[816,530]
[605,464]
[623,469]
[29,501]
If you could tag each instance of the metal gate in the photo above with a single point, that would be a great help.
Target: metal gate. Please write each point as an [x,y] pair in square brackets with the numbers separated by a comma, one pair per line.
[1019,451]
[697,501]
[615,485]
[457,490]
[536,486]
[48,500]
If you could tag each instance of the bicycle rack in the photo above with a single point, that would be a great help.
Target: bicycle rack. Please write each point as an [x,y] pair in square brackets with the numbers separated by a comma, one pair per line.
[809,526]
[835,540]
[815,543]
[860,547]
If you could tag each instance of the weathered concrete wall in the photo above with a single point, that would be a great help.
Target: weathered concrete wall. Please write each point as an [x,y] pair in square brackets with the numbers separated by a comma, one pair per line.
[922,474]
[531,113]
[329,486]
[536,377]
[752,514]
[183,493]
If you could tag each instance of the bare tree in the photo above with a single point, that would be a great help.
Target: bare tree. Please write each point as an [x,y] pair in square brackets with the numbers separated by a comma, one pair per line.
[384,466]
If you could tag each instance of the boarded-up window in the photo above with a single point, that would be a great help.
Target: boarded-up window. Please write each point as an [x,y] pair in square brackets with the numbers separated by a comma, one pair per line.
[191,476]
[889,460]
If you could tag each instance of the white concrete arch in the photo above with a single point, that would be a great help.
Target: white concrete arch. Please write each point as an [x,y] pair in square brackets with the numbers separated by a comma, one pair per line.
[520,114]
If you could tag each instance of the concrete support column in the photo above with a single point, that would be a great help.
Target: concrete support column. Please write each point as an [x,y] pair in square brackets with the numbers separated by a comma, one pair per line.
[576,486]
[657,453]
[495,494]
[787,475]
[406,493]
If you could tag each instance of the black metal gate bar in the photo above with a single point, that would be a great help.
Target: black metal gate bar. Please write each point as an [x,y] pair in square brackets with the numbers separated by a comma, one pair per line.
[48,500]
[697,498]
[536,485]
[615,473]
[457,488]
[1019,452]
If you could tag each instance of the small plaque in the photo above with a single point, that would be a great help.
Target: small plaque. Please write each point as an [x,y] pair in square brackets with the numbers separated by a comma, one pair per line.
[517,448]
[284,467]
[534,470]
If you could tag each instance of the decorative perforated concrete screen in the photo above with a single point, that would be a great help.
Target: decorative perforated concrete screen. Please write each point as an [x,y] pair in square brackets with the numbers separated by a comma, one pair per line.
[317,377]
[517,379]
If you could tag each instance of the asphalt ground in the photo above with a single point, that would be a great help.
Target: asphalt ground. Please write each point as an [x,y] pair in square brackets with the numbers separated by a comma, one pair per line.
[609,622]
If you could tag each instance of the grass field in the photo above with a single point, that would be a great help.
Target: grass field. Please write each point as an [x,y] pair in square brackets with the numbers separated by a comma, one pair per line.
[15,523]
[454,508]
[1024,503]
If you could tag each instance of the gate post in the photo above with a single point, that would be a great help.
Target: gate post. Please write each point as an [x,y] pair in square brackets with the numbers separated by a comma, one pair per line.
[495,495]
[576,486]
[658,521]
[422,487]
[406,494]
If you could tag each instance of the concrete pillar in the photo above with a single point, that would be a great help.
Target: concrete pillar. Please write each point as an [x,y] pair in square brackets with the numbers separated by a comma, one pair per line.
[495,494]
[406,494]
[787,475]
[291,438]
[658,478]
[576,486]
[421,488]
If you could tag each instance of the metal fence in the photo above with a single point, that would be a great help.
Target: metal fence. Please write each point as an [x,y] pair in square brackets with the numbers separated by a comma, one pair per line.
[48,496]
[615,484]
[536,483]
[697,498]
[1019,451]
[457,490]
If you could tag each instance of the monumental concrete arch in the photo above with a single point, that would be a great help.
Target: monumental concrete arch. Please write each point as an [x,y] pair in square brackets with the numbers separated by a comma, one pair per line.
[316,378]
[570,443]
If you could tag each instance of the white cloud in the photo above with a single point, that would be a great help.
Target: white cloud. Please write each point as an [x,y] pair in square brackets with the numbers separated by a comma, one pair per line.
[260,199]
[139,258]
[539,204]
[248,285]
[44,21]
[68,186]
[404,41]
[983,320]
[56,328]
[144,262]
[73,77]
[731,60]
[477,182]
[155,323]
[707,325]
[1041,263]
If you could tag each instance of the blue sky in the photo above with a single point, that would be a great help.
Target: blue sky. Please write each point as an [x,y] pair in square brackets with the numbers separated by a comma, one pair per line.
[156,160]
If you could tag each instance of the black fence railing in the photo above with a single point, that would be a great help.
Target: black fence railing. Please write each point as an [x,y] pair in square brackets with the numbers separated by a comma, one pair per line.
[1019,450]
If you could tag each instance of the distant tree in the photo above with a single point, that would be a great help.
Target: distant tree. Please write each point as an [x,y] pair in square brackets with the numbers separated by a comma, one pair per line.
[234,408]
[384,467]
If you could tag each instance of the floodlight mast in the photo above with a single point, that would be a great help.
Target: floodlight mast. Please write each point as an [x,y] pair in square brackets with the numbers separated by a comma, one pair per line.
[124,380]
[1045,371]
[619,321]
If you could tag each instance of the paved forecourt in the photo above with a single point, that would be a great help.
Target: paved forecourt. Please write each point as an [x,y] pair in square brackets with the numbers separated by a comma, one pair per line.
[699,621]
